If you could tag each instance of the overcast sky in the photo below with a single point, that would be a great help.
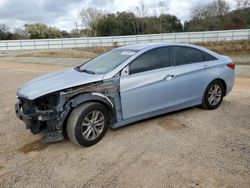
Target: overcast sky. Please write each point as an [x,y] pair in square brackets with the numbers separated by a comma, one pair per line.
[64,13]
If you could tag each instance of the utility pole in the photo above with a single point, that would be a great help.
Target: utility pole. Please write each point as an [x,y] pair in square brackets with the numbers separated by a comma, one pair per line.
[77,32]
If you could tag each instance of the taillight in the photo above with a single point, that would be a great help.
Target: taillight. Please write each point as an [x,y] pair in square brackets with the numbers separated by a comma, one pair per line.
[231,65]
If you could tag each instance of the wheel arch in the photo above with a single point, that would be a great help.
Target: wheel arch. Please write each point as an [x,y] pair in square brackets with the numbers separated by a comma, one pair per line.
[89,97]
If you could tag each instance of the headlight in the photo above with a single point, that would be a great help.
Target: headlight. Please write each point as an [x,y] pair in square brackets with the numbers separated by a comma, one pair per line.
[47,102]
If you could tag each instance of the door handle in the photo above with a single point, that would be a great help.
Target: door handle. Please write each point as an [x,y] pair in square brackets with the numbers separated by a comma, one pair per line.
[169,77]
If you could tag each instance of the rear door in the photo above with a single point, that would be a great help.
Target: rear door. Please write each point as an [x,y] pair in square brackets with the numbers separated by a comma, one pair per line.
[149,86]
[192,68]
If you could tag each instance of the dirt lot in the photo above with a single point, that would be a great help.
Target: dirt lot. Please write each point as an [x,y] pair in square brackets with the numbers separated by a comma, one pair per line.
[189,148]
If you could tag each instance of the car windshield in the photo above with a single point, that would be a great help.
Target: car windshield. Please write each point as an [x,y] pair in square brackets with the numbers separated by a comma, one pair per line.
[106,62]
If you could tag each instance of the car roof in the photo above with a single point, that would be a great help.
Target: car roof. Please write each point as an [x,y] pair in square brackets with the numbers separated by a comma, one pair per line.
[145,46]
[151,45]
[139,46]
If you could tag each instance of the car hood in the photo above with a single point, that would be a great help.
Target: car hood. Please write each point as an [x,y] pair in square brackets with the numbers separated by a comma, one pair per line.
[55,82]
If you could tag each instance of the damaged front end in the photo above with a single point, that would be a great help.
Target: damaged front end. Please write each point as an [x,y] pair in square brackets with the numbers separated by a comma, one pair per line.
[42,115]
[47,114]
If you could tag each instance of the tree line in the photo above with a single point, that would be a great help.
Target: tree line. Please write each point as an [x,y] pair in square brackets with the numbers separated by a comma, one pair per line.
[214,15]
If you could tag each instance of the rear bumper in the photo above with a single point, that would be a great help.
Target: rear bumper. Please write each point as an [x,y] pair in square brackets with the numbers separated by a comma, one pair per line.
[230,82]
[46,122]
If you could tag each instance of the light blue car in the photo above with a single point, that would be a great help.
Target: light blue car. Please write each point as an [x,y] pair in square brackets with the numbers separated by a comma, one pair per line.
[122,86]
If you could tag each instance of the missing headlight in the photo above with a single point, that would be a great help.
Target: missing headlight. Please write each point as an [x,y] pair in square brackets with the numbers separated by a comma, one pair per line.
[47,102]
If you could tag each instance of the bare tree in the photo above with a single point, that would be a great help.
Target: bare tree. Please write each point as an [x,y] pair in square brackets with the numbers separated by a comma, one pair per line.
[197,11]
[212,9]
[3,28]
[3,31]
[90,17]
[162,10]
[241,4]
[162,7]
[221,7]
[21,33]
[210,15]
[141,11]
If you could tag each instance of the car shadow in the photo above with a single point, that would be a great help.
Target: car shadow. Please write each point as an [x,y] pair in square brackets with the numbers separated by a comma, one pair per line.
[156,117]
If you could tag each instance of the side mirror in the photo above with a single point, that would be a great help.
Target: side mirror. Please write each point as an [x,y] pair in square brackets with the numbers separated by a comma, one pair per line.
[125,71]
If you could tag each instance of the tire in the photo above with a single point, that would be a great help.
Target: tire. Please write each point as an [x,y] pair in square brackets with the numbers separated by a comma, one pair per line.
[213,95]
[87,124]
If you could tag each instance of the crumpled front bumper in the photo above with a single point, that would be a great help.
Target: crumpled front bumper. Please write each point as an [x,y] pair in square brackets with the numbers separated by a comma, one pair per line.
[19,113]
[46,122]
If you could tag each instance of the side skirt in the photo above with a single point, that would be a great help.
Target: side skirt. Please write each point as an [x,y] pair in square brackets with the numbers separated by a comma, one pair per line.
[152,114]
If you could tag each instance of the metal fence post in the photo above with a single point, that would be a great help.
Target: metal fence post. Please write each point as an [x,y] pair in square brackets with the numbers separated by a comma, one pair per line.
[34,44]
[48,44]
[21,45]
[100,44]
[75,43]
[62,43]
[7,46]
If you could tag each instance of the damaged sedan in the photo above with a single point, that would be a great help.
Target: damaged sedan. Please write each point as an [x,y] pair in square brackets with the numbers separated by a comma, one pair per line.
[122,86]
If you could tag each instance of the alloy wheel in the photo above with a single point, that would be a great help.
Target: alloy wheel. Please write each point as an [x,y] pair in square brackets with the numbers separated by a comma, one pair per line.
[92,125]
[214,94]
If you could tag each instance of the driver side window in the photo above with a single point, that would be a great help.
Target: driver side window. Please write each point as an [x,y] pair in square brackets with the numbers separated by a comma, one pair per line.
[153,59]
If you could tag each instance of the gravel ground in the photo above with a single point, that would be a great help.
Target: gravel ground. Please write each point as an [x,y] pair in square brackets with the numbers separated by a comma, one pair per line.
[45,60]
[188,148]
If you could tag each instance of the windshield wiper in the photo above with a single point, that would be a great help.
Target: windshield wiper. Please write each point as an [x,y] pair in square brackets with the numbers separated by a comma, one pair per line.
[84,70]
[87,71]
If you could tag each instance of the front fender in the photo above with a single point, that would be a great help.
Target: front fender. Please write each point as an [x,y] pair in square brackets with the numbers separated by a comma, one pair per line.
[92,97]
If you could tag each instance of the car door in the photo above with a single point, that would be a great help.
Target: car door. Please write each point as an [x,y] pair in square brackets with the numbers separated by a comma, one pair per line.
[192,68]
[149,86]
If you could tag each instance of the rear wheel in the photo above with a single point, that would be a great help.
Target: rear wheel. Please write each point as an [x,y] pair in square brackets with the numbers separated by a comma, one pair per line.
[87,124]
[213,95]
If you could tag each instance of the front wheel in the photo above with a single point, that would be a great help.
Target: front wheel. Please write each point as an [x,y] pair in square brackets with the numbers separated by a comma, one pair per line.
[213,95]
[87,124]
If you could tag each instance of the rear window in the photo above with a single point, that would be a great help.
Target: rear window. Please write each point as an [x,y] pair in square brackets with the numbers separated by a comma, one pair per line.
[186,55]
[208,57]
[183,55]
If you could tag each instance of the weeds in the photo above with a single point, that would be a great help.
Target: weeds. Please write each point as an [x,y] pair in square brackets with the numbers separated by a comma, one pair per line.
[229,48]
